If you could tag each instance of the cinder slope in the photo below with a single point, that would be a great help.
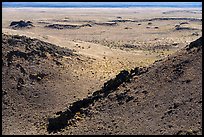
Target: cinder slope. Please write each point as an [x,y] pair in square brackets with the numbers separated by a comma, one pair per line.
[30,70]
[163,99]
[167,99]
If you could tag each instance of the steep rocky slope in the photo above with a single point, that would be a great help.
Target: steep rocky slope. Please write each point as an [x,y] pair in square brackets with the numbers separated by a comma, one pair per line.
[165,99]
[30,70]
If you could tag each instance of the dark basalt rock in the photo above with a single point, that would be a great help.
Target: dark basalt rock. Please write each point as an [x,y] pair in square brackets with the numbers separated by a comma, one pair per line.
[21,24]
[61,26]
[38,76]
[195,44]
[184,28]
[183,132]
[114,83]
[20,83]
[57,123]
[107,24]
[123,97]
[33,48]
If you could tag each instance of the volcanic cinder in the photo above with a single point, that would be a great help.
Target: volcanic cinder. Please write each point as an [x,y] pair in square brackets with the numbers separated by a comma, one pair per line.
[101,71]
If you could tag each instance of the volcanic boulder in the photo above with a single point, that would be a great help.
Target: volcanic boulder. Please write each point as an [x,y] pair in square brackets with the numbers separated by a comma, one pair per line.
[21,24]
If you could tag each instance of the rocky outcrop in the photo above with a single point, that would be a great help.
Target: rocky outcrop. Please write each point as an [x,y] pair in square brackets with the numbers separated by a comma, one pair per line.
[184,28]
[21,24]
[66,118]
[61,26]
[195,44]
[32,48]
[107,24]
